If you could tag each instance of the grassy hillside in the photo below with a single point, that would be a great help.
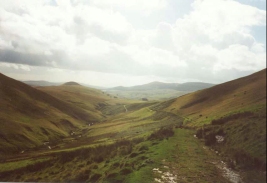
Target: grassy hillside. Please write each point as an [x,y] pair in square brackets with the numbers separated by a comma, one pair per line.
[201,107]
[30,117]
[236,111]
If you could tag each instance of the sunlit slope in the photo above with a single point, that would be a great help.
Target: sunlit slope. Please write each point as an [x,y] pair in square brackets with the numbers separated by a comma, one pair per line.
[235,110]
[244,94]
[28,117]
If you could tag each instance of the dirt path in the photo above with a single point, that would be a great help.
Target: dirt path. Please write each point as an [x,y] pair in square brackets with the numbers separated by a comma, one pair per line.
[126,110]
[228,173]
[184,159]
[164,175]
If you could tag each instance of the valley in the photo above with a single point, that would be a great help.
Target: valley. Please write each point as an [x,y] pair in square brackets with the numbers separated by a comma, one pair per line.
[72,133]
[157,90]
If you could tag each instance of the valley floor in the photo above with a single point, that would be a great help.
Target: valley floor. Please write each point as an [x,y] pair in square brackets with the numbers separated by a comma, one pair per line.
[179,158]
[183,158]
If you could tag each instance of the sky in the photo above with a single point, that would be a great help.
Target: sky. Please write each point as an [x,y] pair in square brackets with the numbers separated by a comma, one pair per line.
[125,43]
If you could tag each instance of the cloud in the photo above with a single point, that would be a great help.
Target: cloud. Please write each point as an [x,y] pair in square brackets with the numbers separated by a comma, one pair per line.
[216,36]
[98,36]
[15,66]
[164,37]
[11,56]
[141,6]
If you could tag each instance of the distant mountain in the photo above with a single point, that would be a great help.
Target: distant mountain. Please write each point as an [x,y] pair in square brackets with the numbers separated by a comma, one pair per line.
[157,90]
[95,87]
[192,86]
[72,83]
[47,83]
[149,86]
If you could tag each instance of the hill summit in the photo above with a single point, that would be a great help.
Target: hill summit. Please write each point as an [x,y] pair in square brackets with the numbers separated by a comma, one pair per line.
[71,83]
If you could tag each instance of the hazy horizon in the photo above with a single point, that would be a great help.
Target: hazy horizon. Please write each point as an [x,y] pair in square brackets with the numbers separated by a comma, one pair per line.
[62,82]
[128,85]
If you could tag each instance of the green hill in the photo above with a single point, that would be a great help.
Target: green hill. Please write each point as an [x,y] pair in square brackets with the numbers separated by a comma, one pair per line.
[202,106]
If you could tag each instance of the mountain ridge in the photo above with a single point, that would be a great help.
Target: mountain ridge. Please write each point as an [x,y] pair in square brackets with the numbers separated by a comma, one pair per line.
[157,90]
[189,86]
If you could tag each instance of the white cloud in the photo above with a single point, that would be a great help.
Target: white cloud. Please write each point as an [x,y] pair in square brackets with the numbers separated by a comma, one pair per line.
[15,66]
[97,36]
[159,56]
[241,58]
[216,35]
[142,6]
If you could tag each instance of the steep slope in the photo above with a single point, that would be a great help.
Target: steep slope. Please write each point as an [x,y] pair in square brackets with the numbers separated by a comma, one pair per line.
[28,117]
[241,94]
